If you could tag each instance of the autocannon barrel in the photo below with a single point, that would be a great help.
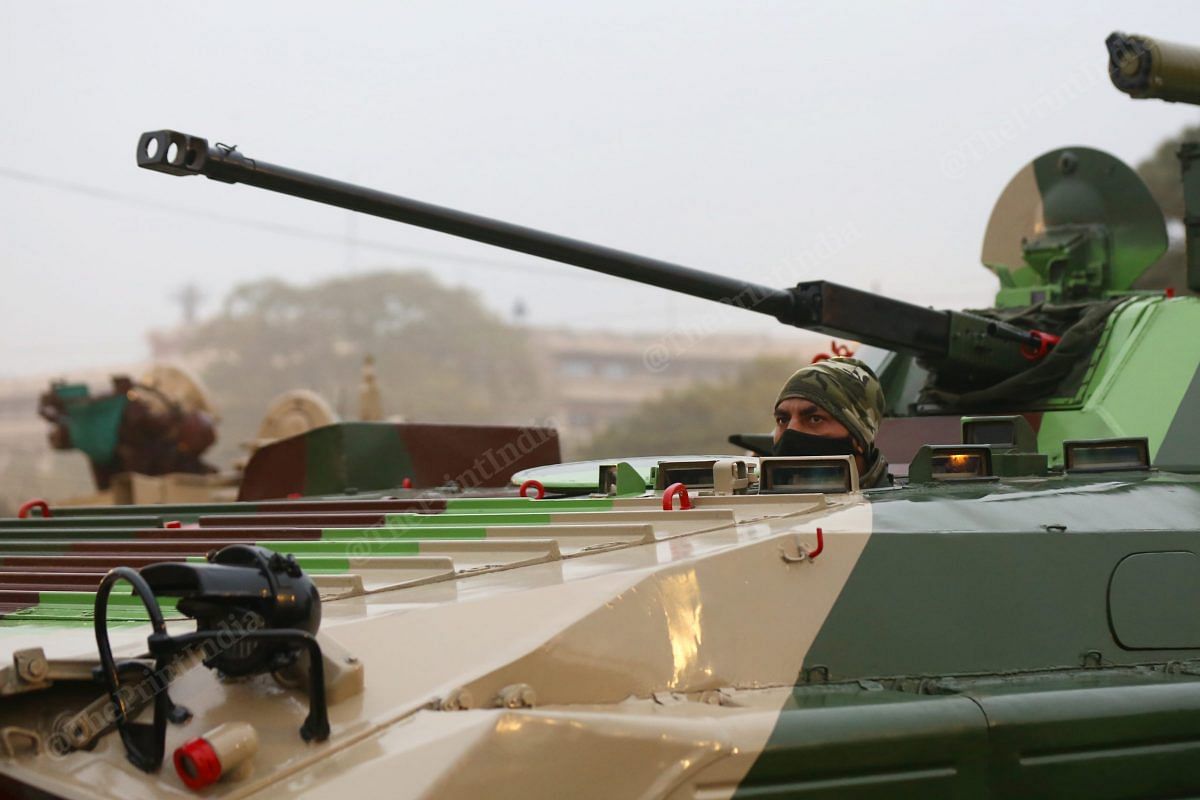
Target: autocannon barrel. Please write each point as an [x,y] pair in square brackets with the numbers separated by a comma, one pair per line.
[181,154]
[821,306]
[1144,67]
[969,344]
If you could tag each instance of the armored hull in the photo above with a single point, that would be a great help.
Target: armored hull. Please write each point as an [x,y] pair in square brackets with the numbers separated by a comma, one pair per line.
[1009,638]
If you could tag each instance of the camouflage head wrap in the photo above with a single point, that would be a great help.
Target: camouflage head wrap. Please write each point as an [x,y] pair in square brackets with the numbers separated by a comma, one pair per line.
[847,389]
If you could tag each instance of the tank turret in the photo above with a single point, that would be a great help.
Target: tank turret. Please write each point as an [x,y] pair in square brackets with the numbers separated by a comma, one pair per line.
[1074,225]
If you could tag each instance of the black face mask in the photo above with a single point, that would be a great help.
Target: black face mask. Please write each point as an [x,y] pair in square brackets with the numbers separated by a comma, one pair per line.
[794,443]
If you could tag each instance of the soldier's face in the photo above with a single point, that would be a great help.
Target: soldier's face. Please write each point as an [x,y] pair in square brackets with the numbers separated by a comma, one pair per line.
[805,416]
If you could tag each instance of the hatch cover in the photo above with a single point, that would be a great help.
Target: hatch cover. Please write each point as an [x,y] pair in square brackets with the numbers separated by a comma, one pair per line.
[1154,601]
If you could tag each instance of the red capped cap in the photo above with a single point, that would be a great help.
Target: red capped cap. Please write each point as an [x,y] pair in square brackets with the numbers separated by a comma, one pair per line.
[197,764]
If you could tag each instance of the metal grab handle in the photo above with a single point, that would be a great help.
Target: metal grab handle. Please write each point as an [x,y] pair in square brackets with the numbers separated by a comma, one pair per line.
[535,485]
[30,505]
[685,502]
[804,553]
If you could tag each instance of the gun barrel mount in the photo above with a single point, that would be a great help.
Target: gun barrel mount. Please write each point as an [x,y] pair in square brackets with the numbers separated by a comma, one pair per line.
[952,337]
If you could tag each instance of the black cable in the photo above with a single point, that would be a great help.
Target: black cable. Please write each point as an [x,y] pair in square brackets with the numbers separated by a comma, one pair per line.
[282,229]
[316,725]
[154,738]
[145,744]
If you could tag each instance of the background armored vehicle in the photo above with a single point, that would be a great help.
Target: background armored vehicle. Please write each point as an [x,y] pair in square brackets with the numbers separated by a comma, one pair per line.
[1015,618]
[160,425]
[143,441]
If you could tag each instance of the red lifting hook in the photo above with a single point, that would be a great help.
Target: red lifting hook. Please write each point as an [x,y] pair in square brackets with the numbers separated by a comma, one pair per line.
[816,551]
[802,552]
[1045,341]
[533,484]
[30,505]
[685,502]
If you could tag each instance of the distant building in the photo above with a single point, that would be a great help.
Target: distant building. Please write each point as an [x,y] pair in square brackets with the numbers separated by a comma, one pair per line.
[597,377]
[594,377]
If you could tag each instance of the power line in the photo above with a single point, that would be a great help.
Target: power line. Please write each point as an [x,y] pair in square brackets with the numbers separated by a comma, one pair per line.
[280,228]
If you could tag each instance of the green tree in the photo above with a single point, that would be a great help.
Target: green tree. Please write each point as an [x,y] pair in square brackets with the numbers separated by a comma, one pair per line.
[440,356]
[697,419]
[1161,173]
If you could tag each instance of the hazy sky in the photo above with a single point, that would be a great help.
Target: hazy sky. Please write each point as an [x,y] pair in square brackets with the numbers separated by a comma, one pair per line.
[864,142]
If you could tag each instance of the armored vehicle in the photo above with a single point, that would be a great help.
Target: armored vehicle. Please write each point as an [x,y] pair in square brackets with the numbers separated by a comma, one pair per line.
[1015,617]
[143,441]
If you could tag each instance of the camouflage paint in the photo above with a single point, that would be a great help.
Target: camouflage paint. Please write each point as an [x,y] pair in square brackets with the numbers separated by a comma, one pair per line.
[1063,190]
[71,609]
[1130,392]
[844,387]
[1181,444]
[351,457]
[971,653]
[40,558]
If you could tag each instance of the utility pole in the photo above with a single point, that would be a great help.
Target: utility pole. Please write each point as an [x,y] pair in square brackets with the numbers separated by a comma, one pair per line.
[189,297]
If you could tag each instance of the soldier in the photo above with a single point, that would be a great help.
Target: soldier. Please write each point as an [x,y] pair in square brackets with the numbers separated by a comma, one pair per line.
[833,407]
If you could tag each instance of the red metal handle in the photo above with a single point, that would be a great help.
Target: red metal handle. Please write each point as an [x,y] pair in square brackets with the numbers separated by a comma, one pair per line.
[816,551]
[685,502]
[30,505]
[1045,342]
[533,484]
[841,350]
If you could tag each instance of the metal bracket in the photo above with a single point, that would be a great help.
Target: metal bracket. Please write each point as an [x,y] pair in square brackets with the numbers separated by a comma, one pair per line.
[31,665]
[809,674]
[32,740]
[460,699]
[31,671]
[344,673]
[802,552]
[518,695]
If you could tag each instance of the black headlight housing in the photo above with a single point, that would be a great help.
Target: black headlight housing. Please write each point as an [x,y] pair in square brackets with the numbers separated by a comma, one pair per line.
[255,610]
[242,588]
